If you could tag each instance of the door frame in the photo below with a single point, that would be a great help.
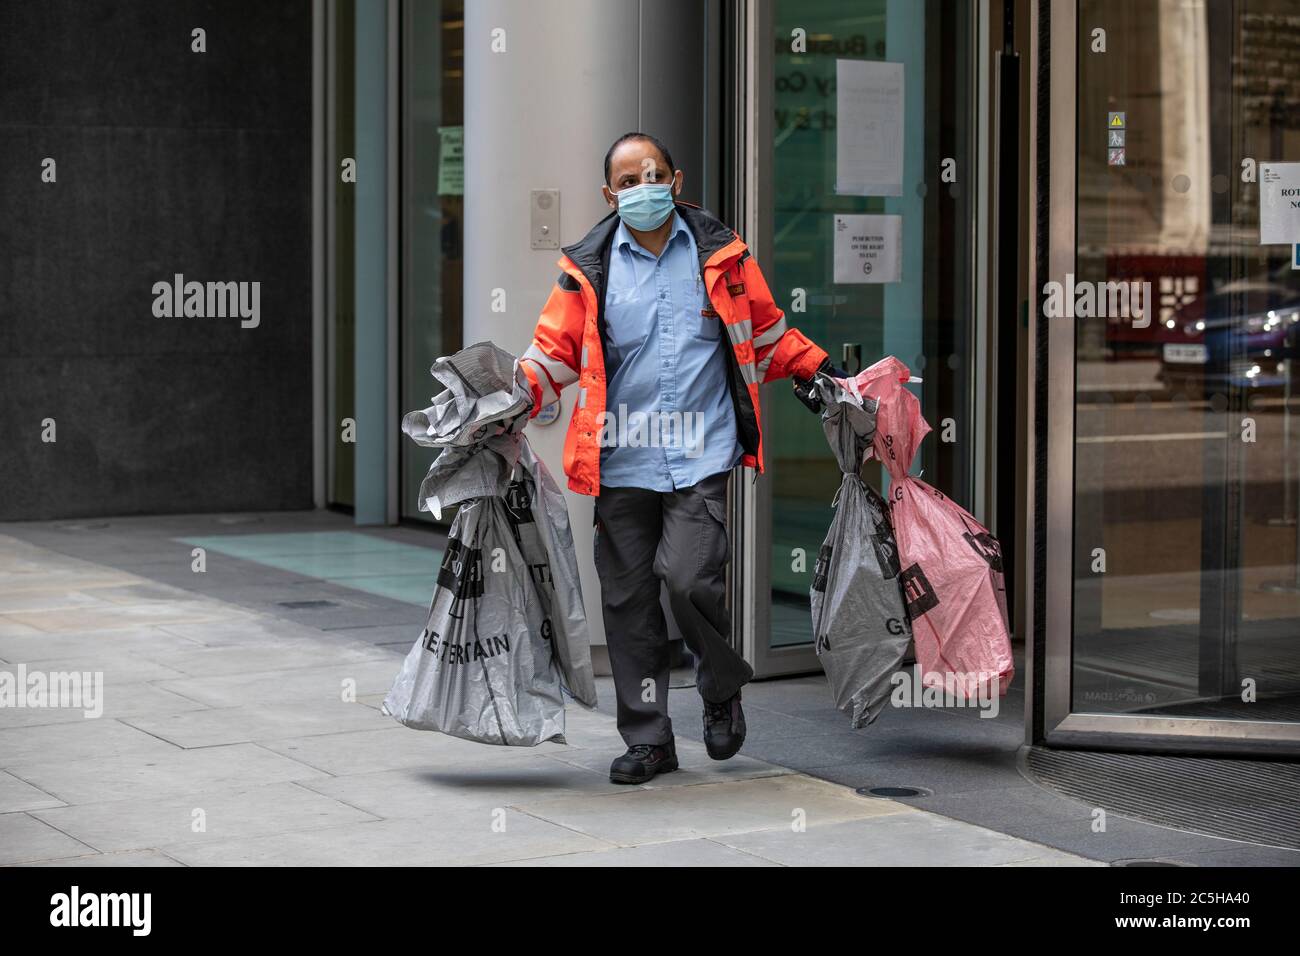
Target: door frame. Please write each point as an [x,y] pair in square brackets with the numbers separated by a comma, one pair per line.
[1054,431]
[751,498]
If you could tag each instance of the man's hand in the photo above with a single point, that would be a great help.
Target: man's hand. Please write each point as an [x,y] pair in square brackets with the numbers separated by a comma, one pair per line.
[806,391]
[834,371]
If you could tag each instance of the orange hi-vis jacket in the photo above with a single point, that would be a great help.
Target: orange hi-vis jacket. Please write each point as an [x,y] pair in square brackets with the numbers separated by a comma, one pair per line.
[567,348]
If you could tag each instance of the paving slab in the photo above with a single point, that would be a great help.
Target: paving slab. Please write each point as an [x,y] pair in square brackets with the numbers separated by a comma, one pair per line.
[124,616]
[277,654]
[76,742]
[119,666]
[24,839]
[204,816]
[456,837]
[140,776]
[393,747]
[30,599]
[117,699]
[253,722]
[320,683]
[44,646]
[710,809]
[912,839]
[129,858]
[673,853]
[11,628]
[17,795]
[415,792]
[252,630]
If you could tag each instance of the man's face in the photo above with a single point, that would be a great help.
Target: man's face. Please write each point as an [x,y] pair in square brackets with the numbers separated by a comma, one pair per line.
[635,162]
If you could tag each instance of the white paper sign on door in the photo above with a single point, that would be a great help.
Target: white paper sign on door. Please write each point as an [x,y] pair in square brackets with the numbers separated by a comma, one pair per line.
[451,161]
[1279,204]
[868,249]
[868,128]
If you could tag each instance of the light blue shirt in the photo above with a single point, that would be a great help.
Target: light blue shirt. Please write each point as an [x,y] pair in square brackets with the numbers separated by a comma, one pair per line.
[670,421]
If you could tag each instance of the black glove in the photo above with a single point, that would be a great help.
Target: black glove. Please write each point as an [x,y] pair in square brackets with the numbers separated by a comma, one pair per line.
[834,371]
[807,393]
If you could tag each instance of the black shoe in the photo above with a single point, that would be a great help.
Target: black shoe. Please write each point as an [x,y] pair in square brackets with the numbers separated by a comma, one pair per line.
[642,762]
[724,727]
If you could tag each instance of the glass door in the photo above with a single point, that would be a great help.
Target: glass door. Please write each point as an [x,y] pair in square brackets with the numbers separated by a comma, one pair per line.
[433,215]
[864,125]
[1181,308]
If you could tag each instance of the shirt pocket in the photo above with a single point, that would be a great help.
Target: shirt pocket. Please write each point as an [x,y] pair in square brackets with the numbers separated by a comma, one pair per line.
[627,319]
[706,327]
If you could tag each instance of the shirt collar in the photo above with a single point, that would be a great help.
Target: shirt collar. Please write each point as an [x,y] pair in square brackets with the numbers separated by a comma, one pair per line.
[624,237]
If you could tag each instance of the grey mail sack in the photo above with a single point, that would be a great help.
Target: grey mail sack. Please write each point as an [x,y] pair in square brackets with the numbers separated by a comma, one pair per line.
[860,628]
[506,635]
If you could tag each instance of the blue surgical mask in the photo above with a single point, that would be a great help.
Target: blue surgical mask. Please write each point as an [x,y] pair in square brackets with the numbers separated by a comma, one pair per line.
[645,207]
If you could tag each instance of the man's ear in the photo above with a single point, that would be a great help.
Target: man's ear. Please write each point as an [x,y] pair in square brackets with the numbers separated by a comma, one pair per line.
[677,183]
[609,197]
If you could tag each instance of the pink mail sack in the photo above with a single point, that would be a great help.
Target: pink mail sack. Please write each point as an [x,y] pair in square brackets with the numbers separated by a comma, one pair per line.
[952,567]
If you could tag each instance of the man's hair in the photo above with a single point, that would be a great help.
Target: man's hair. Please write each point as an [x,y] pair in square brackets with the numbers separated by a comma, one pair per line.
[628,137]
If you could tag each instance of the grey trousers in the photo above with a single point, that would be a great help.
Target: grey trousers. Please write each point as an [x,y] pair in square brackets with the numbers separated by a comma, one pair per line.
[680,538]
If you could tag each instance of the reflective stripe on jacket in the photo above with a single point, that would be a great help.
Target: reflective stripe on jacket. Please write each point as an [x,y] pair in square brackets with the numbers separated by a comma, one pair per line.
[566,345]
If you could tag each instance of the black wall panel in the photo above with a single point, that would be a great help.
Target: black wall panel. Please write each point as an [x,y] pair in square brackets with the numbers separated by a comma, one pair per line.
[168,161]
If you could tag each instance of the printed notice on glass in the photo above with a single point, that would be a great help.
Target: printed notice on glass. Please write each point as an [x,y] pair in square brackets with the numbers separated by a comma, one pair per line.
[451,161]
[1279,204]
[868,249]
[868,128]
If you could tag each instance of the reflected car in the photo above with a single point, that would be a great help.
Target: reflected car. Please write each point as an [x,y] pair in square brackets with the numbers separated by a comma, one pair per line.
[1244,335]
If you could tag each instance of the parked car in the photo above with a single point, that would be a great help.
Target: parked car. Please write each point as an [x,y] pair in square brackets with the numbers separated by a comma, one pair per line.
[1244,334]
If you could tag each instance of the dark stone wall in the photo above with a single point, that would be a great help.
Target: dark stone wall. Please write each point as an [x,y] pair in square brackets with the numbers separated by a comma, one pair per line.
[167,161]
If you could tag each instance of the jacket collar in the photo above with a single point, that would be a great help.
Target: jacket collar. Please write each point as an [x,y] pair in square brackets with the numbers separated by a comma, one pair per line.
[711,233]
[591,253]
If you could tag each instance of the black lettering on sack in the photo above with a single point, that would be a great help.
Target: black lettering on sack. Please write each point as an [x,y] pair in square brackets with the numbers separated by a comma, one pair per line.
[886,552]
[883,537]
[823,643]
[461,573]
[480,649]
[519,503]
[541,574]
[983,544]
[918,595]
[895,626]
[822,568]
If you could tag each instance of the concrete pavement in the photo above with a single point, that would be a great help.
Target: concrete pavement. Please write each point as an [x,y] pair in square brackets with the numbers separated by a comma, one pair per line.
[229,736]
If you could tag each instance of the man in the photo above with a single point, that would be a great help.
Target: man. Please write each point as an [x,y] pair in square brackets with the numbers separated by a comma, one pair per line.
[665,323]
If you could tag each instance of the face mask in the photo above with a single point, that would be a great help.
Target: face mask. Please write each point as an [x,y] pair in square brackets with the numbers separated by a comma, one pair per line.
[645,207]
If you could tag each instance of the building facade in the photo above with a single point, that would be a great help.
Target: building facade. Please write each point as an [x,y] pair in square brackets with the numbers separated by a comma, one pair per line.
[1135,457]
[1069,218]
